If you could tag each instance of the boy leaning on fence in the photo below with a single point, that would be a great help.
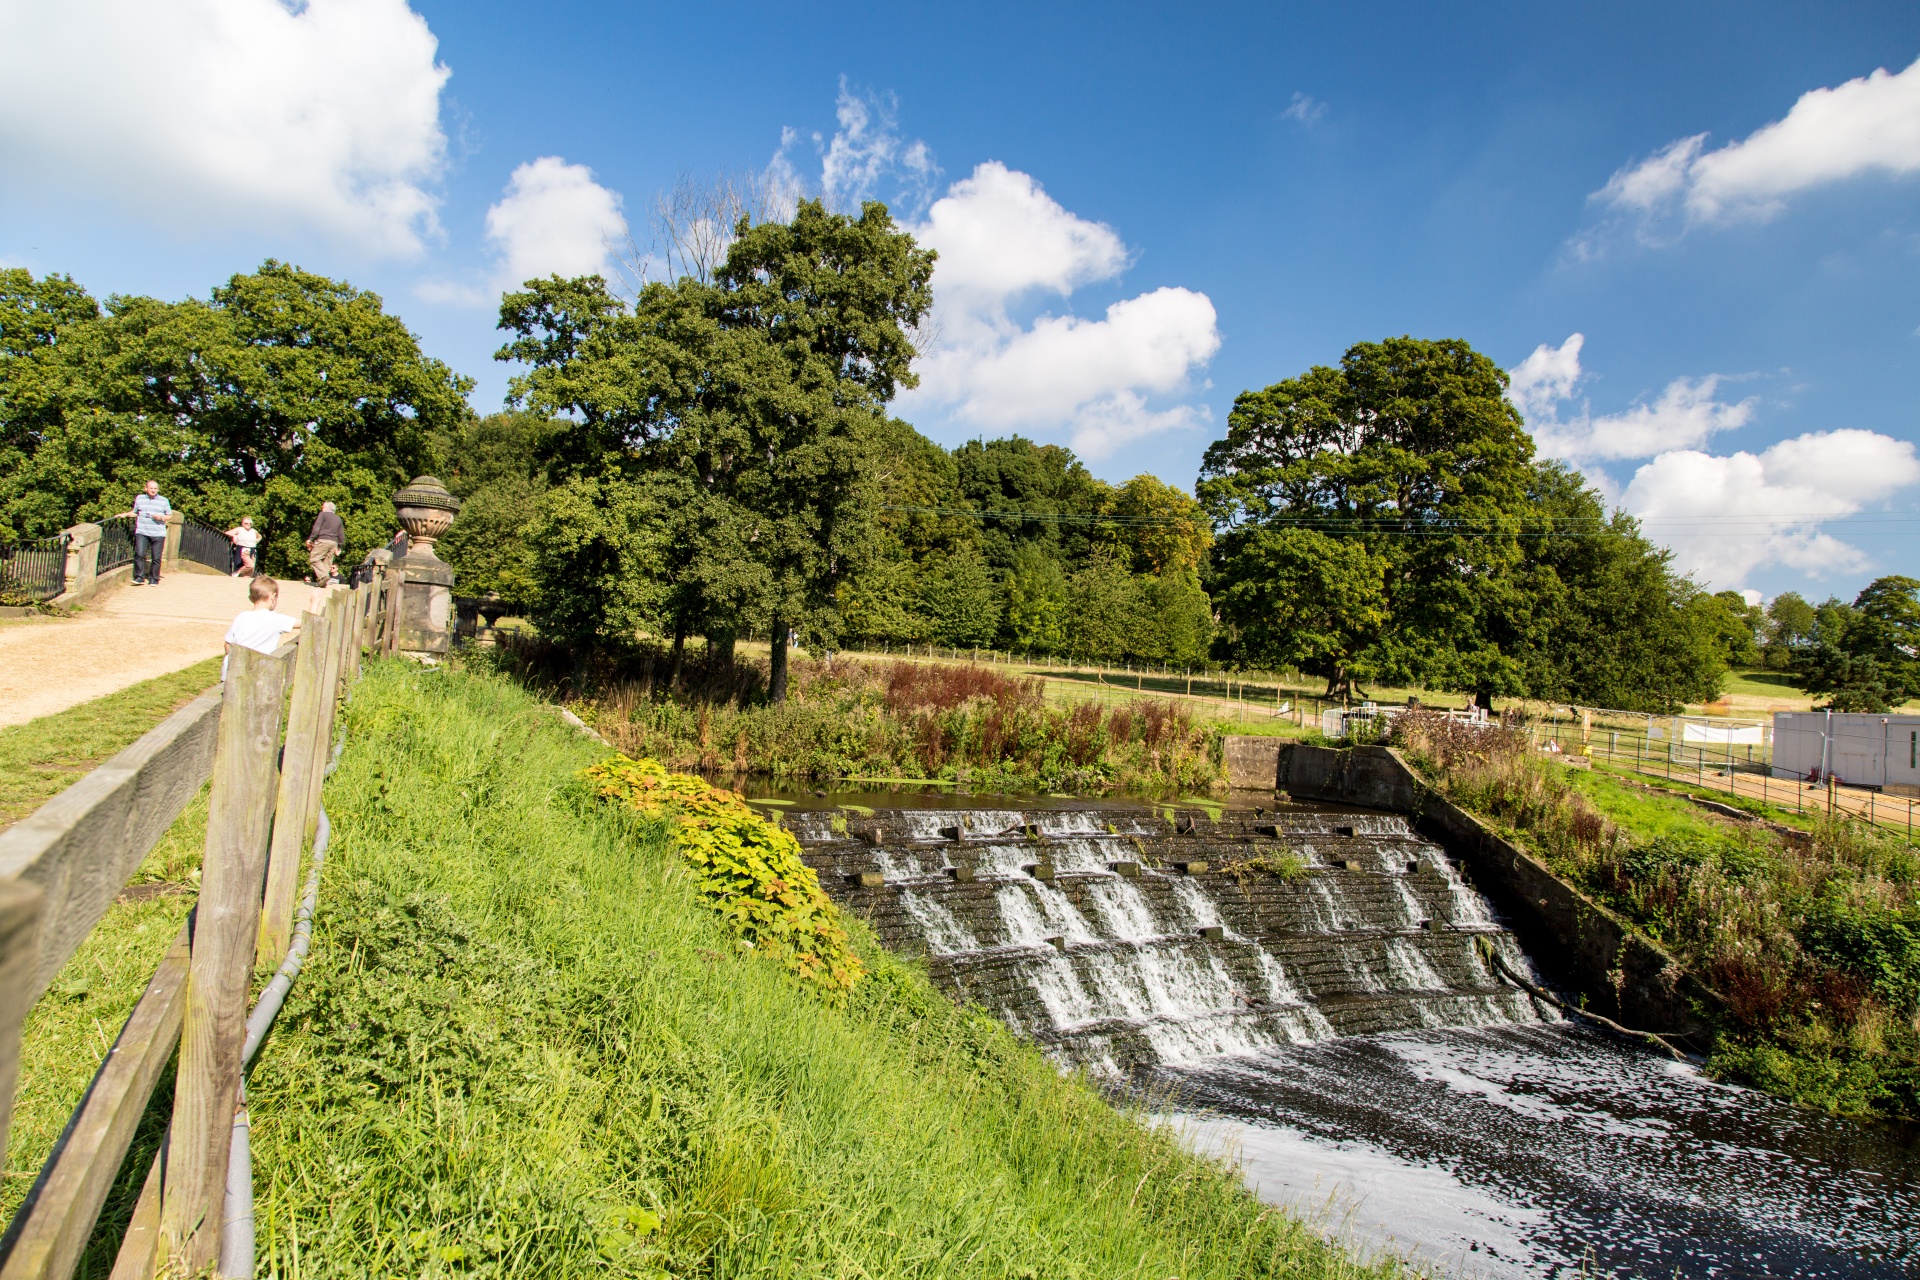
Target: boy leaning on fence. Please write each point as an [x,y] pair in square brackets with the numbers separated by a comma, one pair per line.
[259,628]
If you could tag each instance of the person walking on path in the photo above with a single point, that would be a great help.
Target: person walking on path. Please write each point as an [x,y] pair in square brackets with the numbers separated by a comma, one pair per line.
[324,541]
[259,628]
[150,512]
[245,538]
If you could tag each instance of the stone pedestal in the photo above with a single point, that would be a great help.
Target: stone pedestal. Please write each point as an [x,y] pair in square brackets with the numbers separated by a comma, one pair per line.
[426,509]
[83,558]
[176,526]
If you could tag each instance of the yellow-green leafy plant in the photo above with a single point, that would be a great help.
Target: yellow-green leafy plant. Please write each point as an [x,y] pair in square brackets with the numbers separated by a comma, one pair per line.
[746,867]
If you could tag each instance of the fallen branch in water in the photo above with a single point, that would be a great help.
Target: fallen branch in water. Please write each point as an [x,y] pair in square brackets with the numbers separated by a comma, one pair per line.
[1500,965]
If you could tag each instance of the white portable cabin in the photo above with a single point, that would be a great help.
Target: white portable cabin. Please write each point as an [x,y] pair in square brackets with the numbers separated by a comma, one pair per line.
[1859,749]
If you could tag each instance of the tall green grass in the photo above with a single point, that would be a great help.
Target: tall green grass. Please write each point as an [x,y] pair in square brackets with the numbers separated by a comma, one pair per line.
[524,1047]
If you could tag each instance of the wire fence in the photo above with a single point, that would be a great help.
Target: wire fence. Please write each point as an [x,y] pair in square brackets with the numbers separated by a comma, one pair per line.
[1717,754]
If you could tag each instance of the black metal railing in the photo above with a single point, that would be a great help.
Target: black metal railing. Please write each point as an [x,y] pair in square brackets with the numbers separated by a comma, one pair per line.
[204,544]
[33,570]
[116,543]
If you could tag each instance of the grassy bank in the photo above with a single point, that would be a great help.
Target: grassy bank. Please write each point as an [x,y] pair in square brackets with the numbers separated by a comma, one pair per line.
[1814,941]
[525,1047]
[855,718]
[42,758]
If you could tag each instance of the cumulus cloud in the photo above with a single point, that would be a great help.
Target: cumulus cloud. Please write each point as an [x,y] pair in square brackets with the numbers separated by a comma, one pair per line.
[1867,125]
[552,219]
[1002,242]
[1723,516]
[247,114]
[1684,416]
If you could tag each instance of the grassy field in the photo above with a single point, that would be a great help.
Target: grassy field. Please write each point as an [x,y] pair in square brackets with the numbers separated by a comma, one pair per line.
[44,757]
[524,1047]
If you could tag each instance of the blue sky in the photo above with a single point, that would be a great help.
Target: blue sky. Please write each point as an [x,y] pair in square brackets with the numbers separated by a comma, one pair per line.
[1141,210]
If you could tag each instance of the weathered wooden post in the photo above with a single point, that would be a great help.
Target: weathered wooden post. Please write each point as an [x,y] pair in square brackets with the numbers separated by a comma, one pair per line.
[323,727]
[19,953]
[297,764]
[225,928]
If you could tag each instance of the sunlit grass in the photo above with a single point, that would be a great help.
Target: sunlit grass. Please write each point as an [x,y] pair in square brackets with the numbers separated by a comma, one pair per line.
[523,1042]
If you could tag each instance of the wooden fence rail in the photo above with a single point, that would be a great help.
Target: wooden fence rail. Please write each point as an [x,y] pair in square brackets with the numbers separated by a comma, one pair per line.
[264,739]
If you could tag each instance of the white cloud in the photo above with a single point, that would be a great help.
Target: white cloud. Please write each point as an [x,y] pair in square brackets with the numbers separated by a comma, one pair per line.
[1871,124]
[1304,109]
[999,235]
[1725,517]
[552,219]
[1537,384]
[1686,414]
[1002,239]
[230,113]
[866,151]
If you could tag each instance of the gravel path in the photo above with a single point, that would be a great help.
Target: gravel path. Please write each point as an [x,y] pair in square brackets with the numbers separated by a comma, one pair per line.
[134,634]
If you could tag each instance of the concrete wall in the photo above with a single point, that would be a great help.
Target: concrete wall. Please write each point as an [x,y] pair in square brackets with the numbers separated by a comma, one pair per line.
[1578,944]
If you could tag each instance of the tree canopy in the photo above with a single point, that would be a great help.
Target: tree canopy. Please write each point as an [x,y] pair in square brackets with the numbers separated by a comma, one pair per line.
[1386,521]
[282,390]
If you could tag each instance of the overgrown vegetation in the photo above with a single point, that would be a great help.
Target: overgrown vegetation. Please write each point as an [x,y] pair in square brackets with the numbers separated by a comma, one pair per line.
[1814,943]
[525,1046]
[747,868]
[854,718]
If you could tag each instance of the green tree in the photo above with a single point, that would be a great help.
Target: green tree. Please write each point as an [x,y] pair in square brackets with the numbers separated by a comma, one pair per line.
[1865,656]
[1413,468]
[1109,615]
[960,594]
[1032,494]
[1183,618]
[1156,527]
[1739,626]
[1305,599]
[1789,627]
[1037,601]
[282,390]
[751,403]
[489,464]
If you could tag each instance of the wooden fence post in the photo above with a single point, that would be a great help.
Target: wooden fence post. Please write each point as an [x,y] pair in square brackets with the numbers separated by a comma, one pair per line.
[226,924]
[19,952]
[323,726]
[297,764]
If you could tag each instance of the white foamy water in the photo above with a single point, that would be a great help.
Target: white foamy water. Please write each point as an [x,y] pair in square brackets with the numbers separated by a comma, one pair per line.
[943,931]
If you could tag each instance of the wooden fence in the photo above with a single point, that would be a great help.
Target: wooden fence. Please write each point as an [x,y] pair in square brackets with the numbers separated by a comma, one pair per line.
[264,739]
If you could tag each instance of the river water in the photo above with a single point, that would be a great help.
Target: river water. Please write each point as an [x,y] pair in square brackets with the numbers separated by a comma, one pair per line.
[1361,1067]
[1553,1150]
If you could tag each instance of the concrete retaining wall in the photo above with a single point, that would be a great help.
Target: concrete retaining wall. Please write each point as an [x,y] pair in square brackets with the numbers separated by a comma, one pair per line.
[1579,945]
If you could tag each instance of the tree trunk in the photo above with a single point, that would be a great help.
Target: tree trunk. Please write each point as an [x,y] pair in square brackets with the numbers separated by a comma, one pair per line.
[679,653]
[777,673]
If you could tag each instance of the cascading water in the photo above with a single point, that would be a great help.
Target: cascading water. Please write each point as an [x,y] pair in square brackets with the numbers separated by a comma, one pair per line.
[1123,939]
[1338,1031]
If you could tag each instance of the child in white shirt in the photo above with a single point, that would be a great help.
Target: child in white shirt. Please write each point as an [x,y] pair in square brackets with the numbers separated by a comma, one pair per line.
[259,628]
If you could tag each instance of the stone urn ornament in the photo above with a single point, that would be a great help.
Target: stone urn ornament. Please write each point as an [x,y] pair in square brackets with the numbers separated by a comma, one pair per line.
[426,510]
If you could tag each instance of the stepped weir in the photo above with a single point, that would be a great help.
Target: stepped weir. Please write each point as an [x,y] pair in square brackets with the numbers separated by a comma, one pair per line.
[1122,939]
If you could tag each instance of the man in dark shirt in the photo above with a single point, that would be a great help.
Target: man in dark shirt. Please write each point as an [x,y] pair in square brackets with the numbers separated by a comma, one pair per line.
[324,541]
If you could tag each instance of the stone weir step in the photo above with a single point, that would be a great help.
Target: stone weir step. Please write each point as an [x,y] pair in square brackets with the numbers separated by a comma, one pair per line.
[1121,937]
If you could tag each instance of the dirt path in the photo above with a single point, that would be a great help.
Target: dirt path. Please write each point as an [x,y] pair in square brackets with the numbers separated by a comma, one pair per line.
[50,664]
